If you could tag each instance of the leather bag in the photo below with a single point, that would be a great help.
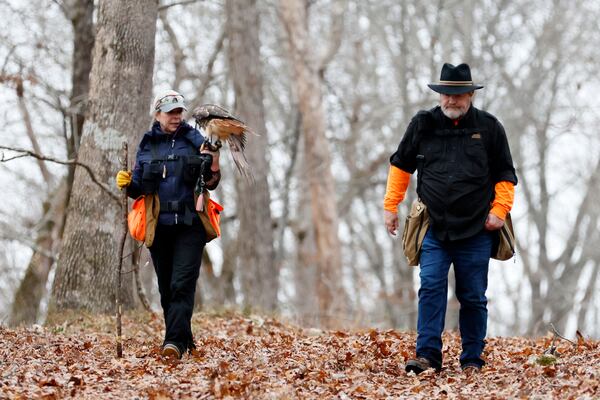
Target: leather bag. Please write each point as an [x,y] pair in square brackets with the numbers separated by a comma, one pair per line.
[415,228]
[506,241]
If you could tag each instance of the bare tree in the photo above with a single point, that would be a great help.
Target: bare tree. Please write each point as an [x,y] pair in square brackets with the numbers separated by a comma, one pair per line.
[33,286]
[120,88]
[256,261]
[319,180]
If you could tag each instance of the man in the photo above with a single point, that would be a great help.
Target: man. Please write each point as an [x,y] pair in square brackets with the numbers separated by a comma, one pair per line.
[466,179]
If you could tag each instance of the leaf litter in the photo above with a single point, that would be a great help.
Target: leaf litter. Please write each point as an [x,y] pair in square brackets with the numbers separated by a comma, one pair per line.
[255,357]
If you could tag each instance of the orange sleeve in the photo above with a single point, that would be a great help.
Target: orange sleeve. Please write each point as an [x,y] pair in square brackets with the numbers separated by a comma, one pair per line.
[503,200]
[395,190]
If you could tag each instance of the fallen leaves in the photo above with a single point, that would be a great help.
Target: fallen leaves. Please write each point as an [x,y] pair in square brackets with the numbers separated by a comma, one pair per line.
[240,357]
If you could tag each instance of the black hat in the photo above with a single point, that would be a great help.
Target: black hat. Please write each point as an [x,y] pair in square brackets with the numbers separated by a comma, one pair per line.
[454,80]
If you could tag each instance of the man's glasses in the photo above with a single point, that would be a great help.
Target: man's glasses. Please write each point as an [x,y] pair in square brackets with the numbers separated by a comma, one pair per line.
[168,99]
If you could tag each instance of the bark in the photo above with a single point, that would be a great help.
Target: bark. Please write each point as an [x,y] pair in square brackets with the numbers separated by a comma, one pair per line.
[80,13]
[306,299]
[317,175]
[259,274]
[120,86]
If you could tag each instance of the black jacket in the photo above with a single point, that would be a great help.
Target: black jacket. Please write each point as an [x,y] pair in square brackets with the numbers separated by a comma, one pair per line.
[458,167]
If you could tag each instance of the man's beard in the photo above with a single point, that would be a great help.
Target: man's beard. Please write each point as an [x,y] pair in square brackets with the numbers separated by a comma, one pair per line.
[453,113]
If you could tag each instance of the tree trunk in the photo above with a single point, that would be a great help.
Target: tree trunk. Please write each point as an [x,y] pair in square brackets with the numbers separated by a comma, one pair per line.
[317,168]
[120,87]
[306,302]
[25,307]
[259,274]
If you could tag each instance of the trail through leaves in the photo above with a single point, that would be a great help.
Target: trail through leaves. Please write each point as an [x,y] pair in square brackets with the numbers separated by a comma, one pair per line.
[239,357]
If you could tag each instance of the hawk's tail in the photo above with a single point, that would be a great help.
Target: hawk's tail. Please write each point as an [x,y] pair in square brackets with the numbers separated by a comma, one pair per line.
[240,161]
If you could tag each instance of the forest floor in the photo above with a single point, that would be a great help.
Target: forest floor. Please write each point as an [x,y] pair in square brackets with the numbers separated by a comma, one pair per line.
[261,358]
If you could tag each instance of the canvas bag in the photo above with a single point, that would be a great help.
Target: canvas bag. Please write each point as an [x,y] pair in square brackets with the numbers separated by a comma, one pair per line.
[143,217]
[506,241]
[415,228]
[210,215]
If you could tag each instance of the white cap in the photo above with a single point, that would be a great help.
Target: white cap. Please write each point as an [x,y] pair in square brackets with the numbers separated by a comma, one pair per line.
[166,101]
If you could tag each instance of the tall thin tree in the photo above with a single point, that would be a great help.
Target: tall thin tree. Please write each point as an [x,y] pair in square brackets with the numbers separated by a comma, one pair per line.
[318,177]
[25,308]
[259,274]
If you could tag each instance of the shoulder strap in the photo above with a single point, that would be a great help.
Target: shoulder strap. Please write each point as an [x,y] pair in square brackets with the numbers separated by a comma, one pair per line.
[154,149]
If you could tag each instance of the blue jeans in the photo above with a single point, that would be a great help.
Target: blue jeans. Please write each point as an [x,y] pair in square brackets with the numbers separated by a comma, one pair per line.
[470,258]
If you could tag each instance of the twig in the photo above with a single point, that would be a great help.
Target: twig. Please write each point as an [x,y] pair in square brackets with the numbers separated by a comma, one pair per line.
[560,336]
[181,3]
[33,154]
[121,248]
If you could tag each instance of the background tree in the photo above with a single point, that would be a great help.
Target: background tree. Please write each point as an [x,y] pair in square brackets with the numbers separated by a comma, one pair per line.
[25,306]
[318,178]
[256,261]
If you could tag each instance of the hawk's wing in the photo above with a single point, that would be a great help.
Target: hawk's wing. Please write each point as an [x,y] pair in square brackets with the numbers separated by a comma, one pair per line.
[206,112]
[233,132]
[217,121]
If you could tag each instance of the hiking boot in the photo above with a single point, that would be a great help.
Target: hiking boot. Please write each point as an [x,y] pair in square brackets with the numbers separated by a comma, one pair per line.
[418,365]
[171,351]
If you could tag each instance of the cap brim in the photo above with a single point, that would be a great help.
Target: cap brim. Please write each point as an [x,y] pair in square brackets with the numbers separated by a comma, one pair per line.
[171,106]
[449,89]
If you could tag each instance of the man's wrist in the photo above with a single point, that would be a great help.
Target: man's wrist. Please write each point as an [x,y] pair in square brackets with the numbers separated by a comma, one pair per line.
[499,212]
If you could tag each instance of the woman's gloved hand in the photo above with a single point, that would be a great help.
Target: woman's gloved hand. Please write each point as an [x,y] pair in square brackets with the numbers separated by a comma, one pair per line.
[123,179]
[215,157]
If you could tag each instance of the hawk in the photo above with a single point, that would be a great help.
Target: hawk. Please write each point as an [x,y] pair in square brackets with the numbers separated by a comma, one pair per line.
[218,122]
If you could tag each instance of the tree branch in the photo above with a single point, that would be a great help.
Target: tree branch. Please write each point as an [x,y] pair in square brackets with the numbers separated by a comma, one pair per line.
[208,75]
[181,3]
[30,153]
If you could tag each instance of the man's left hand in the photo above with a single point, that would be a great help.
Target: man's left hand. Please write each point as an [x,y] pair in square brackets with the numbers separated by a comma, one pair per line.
[493,223]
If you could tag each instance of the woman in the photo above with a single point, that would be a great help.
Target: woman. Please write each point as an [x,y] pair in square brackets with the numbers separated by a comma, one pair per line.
[167,163]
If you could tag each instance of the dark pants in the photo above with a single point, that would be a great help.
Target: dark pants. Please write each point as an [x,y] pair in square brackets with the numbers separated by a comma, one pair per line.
[176,254]
[470,258]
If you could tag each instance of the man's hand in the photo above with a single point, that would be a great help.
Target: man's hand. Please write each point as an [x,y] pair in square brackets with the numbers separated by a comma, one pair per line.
[123,179]
[493,223]
[391,221]
[215,157]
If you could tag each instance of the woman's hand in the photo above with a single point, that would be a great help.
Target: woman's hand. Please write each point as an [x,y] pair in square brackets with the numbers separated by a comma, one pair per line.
[123,179]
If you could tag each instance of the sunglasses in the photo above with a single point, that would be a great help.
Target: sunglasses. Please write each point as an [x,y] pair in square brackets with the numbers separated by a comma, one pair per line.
[168,99]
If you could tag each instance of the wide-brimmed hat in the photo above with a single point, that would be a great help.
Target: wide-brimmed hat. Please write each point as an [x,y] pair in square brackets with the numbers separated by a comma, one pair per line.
[454,80]
[168,100]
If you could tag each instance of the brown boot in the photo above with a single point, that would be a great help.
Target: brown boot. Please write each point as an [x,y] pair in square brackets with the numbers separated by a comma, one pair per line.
[171,351]
[418,365]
